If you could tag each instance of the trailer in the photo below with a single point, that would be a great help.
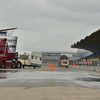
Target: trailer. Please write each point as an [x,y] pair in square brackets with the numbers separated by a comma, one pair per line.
[8,59]
[33,59]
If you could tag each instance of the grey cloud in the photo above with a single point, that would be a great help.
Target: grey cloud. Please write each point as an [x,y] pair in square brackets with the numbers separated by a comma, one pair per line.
[49,24]
[58,10]
[77,5]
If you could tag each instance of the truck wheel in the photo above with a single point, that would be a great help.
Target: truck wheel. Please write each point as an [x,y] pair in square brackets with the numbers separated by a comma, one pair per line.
[18,64]
[2,64]
[13,64]
[67,66]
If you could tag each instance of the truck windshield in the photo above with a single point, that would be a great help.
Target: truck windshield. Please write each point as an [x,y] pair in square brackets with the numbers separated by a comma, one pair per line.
[64,57]
[0,49]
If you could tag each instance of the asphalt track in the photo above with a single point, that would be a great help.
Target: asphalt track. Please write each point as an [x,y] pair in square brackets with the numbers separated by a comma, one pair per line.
[45,83]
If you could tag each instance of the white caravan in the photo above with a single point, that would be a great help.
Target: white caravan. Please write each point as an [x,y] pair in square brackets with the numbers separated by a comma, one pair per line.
[34,59]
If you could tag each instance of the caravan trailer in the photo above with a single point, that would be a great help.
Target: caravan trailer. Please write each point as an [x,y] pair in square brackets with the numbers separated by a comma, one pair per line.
[34,59]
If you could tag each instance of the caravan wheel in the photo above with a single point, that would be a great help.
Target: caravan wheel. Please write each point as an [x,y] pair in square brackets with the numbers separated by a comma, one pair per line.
[34,67]
[23,66]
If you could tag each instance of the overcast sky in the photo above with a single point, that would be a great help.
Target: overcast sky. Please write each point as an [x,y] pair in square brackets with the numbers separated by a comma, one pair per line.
[50,25]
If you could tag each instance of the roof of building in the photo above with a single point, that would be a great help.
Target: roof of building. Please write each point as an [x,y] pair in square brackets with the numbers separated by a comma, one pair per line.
[7,29]
[90,43]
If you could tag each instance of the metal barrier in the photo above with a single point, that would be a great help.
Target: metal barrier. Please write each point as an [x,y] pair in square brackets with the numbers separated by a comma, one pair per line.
[92,63]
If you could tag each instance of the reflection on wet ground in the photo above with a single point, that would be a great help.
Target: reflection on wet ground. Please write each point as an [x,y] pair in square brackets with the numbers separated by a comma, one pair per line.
[3,75]
[94,75]
[5,71]
[48,78]
[88,79]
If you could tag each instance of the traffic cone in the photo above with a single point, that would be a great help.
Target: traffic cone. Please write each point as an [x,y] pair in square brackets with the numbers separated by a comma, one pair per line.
[52,66]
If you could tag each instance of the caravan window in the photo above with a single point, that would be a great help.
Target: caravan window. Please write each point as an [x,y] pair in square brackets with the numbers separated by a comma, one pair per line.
[24,57]
[32,57]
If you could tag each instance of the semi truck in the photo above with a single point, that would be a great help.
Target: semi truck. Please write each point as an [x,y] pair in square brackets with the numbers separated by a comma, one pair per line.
[8,59]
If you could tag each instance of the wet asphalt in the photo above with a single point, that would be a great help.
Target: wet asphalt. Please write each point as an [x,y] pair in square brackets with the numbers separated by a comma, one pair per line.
[46,76]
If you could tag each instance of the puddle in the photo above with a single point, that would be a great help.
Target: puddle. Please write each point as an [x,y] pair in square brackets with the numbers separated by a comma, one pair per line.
[5,71]
[3,77]
[87,79]
[94,75]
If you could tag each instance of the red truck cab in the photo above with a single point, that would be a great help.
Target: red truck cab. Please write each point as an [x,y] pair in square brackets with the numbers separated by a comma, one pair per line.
[8,59]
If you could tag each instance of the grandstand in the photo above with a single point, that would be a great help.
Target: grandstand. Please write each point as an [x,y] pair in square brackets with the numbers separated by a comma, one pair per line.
[90,43]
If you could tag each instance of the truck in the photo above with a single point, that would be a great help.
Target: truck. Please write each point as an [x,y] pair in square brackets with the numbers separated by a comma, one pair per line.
[8,59]
[33,59]
[63,61]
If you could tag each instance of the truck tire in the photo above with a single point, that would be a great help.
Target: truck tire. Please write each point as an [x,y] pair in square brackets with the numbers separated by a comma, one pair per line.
[18,64]
[13,64]
[67,66]
[3,64]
